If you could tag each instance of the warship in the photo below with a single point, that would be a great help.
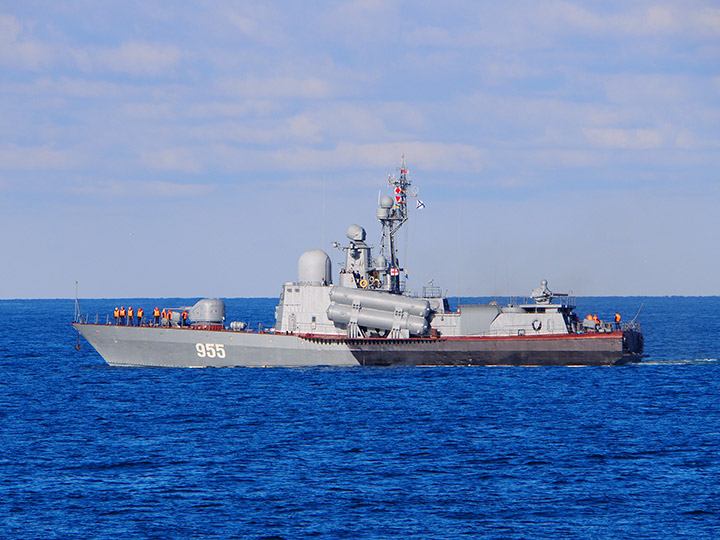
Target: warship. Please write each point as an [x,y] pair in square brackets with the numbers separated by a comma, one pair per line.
[367,318]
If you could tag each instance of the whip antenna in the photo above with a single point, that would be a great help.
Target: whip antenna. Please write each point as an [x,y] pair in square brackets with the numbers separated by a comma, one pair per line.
[638,313]
[78,316]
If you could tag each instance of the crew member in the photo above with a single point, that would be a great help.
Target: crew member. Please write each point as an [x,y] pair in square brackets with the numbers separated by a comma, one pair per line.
[183,318]
[140,316]
[116,314]
[164,317]
[122,315]
[156,316]
[131,316]
[617,317]
[169,317]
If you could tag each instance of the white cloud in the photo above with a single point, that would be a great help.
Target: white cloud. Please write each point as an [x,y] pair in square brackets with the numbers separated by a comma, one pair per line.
[561,158]
[229,109]
[279,87]
[429,156]
[362,23]
[23,53]
[132,57]
[653,19]
[541,24]
[643,89]
[135,189]
[151,111]
[346,156]
[173,159]
[629,139]
[83,88]
[137,58]
[10,29]
[258,24]
[709,18]
[512,182]
[37,158]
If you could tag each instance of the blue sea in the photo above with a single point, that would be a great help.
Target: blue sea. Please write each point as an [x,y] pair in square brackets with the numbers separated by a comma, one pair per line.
[89,451]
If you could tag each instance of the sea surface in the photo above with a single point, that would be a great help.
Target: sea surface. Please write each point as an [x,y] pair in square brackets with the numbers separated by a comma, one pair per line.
[90,451]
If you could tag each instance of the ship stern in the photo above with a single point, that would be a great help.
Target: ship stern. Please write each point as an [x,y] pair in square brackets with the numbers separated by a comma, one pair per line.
[633,345]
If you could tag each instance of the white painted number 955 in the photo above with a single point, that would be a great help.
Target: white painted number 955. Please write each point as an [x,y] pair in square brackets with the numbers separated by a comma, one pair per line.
[210,350]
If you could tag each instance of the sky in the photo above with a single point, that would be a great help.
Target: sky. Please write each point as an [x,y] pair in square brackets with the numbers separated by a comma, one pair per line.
[197,149]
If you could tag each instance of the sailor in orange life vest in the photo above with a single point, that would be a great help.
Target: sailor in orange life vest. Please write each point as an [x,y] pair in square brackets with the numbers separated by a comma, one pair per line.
[131,317]
[156,316]
[617,317]
[183,318]
[169,317]
[164,317]
[594,319]
[140,316]
[116,314]
[122,315]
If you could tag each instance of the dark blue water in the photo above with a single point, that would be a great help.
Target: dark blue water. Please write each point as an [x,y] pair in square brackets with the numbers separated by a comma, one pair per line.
[89,451]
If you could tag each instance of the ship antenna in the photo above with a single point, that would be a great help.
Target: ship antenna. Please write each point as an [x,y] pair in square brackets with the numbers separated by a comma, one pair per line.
[459,251]
[78,312]
[322,225]
[638,313]
[78,315]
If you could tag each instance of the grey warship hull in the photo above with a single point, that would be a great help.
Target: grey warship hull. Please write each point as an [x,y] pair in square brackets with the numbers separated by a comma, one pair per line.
[186,347]
[368,317]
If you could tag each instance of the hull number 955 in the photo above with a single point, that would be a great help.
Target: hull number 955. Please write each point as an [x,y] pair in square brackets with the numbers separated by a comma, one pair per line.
[210,350]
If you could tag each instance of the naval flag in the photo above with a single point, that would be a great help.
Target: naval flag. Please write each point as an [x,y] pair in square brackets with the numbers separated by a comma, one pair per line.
[420,204]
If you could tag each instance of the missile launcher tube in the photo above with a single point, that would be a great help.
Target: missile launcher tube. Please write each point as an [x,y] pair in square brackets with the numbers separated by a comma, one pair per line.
[380,301]
[380,320]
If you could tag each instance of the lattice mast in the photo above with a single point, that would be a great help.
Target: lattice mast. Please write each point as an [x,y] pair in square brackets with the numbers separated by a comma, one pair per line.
[393,220]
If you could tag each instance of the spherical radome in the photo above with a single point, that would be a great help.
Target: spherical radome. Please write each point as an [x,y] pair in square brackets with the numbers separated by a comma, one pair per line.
[314,267]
